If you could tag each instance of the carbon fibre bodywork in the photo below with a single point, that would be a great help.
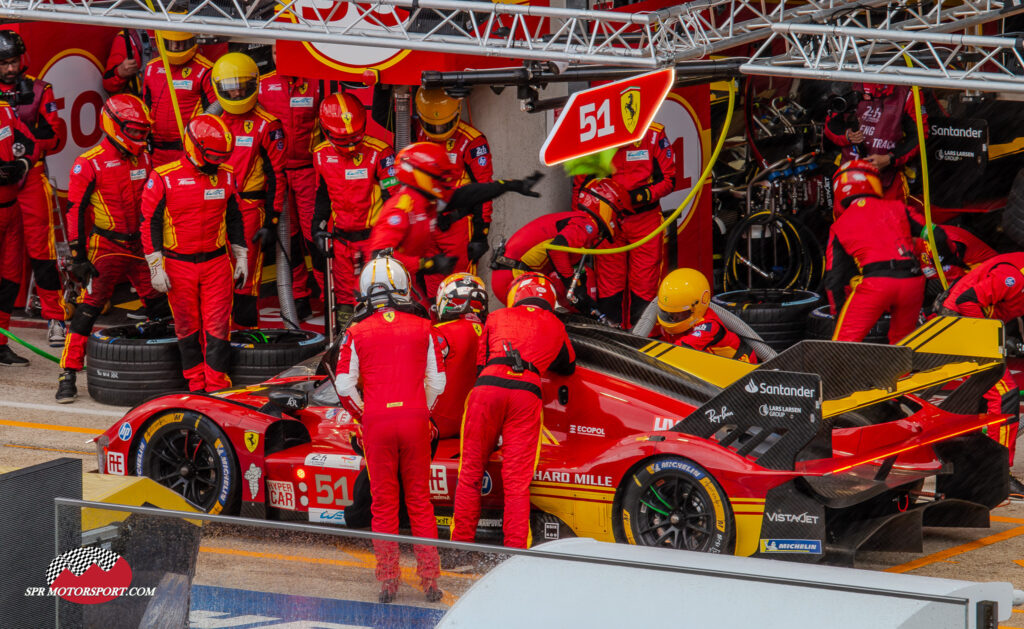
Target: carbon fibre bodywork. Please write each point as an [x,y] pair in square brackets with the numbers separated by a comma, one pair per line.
[820,452]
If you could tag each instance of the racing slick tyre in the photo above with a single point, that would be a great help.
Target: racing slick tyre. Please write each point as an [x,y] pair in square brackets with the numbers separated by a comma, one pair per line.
[674,503]
[1013,214]
[821,325]
[128,364]
[190,454]
[778,316]
[260,354]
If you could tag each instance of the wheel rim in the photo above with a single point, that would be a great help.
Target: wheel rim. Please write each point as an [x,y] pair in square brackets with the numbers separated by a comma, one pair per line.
[676,513]
[187,463]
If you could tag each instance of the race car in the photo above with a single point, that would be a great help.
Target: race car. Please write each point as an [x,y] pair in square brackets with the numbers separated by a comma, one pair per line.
[824,450]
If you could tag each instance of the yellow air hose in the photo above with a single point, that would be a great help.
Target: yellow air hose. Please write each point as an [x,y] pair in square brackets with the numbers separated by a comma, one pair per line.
[170,82]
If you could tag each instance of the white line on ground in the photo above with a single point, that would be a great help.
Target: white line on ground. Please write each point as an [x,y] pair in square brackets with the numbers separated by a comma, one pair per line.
[62,409]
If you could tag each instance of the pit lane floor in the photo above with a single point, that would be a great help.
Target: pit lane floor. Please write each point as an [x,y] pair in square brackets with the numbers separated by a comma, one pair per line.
[240,572]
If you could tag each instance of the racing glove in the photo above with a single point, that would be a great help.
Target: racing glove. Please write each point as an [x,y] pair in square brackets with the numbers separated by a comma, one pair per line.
[83,270]
[13,171]
[439,263]
[322,239]
[241,265]
[157,275]
[640,196]
[445,219]
[525,186]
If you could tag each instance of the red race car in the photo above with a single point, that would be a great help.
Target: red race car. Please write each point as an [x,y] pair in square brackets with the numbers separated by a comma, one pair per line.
[823,450]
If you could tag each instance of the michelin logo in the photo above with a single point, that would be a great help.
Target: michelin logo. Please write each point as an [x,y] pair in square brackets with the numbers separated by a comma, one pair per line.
[800,546]
[778,389]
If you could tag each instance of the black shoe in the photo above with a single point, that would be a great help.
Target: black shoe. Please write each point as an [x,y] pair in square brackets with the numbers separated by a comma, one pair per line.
[388,591]
[1016,487]
[9,359]
[67,392]
[302,308]
[433,594]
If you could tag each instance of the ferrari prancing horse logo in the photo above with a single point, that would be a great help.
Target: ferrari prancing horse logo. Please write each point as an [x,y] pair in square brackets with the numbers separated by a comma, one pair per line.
[248,126]
[251,439]
[629,99]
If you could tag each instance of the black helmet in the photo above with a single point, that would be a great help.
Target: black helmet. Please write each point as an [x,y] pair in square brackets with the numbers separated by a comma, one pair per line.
[11,45]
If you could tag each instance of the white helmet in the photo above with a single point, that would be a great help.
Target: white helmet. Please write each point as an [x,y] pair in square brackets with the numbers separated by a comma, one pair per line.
[384,282]
[461,294]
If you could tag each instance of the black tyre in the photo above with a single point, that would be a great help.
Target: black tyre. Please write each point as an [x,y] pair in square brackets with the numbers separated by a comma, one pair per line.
[260,354]
[1013,215]
[778,316]
[189,453]
[821,325]
[127,364]
[674,503]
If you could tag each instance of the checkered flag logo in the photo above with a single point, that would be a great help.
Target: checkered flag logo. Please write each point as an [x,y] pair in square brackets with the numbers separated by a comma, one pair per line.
[79,560]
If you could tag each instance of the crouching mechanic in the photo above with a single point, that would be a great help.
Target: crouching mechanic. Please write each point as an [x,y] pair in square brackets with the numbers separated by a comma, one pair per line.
[396,357]
[105,192]
[461,312]
[518,346]
[685,319]
[189,216]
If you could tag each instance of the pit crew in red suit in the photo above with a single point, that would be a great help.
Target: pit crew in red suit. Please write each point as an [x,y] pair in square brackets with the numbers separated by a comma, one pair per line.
[295,102]
[123,64]
[647,170]
[258,166]
[684,318]
[355,172]
[36,107]
[518,347]
[17,153]
[440,122]
[592,222]
[104,201]
[871,238]
[886,134]
[189,216]
[461,311]
[192,87]
[396,356]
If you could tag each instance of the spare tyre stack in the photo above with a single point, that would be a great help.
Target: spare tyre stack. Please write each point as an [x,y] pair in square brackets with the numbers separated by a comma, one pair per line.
[260,354]
[778,316]
[127,364]
[821,324]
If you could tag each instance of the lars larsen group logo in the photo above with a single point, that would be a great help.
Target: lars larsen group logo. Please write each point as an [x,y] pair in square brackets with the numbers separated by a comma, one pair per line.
[89,576]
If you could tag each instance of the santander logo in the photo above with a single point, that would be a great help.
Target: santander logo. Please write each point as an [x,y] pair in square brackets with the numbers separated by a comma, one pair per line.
[751,387]
[89,575]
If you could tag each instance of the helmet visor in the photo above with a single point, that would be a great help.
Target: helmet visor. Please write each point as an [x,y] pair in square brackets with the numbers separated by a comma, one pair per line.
[179,45]
[213,156]
[237,88]
[437,130]
[135,131]
[675,317]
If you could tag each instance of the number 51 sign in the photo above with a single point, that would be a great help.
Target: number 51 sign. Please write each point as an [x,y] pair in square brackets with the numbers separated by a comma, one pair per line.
[606,116]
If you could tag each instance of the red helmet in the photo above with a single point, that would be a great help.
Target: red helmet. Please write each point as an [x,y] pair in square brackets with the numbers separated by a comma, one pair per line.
[854,179]
[877,90]
[604,199]
[343,119]
[208,140]
[532,289]
[426,167]
[125,120]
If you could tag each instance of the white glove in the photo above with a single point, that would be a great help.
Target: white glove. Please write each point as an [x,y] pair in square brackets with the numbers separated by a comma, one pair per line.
[157,275]
[241,264]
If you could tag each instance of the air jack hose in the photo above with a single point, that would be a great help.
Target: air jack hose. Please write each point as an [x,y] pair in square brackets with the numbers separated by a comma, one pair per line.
[30,346]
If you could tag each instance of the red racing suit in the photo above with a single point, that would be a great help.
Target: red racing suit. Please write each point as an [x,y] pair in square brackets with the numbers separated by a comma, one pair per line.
[396,356]
[194,90]
[525,249]
[35,199]
[647,169]
[890,127]
[405,224]
[710,335]
[258,165]
[458,340]
[994,290]
[507,403]
[126,40]
[295,102]
[191,217]
[959,252]
[104,201]
[872,241]
[12,253]
[351,189]
[467,147]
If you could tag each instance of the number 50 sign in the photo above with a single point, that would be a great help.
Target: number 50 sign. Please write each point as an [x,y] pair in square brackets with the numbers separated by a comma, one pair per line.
[605,116]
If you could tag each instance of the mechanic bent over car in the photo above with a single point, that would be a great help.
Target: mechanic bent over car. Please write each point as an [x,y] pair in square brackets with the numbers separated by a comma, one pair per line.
[684,317]
[870,251]
[189,216]
[105,191]
[396,356]
[518,346]
[461,313]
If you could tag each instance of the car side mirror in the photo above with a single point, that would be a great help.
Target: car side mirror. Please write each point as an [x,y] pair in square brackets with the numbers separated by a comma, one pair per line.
[288,400]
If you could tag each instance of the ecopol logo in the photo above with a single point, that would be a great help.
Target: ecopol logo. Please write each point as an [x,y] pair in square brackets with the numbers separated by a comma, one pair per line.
[778,389]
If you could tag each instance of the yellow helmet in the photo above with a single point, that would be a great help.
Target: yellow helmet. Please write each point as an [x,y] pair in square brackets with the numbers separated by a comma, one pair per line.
[438,112]
[180,47]
[236,81]
[683,298]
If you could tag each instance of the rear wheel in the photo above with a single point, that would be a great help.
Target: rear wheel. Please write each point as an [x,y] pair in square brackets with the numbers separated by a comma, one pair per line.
[674,503]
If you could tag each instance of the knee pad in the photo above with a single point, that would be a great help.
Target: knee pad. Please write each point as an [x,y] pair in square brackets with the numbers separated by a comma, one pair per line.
[243,310]
[45,272]
[8,294]
[84,318]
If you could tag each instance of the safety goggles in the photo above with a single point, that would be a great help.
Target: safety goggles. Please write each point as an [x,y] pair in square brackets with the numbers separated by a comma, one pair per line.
[675,317]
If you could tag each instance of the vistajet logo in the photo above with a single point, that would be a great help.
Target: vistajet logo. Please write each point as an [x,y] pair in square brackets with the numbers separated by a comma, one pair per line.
[803,518]
[778,389]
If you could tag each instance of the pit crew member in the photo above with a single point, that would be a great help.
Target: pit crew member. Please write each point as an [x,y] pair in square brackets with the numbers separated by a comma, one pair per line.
[396,356]
[123,63]
[686,320]
[461,312]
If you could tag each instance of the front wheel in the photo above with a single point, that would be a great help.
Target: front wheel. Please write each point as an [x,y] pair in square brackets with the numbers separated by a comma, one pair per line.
[674,503]
[190,454]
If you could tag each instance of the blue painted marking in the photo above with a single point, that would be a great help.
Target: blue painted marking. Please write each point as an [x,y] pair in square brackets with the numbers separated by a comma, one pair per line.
[289,608]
